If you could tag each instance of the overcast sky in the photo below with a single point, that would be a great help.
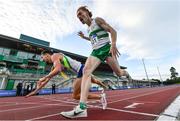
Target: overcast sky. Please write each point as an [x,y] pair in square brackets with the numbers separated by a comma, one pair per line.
[148,29]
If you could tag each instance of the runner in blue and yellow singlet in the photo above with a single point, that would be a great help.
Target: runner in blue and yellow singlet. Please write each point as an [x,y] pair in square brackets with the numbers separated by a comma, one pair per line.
[60,62]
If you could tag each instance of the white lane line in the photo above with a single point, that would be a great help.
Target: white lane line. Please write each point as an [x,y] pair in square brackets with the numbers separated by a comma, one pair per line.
[133,112]
[6,102]
[144,102]
[21,103]
[138,96]
[8,105]
[15,104]
[137,92]
[127,111]
[42,117]
[59,100]
[36,118]
[71,101]
[33,107]
[133,105]
[114,109]
[21,108]
[115,95]
[91,106]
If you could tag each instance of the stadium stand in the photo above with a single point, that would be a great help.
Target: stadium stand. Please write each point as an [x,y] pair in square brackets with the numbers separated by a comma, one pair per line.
[20,62]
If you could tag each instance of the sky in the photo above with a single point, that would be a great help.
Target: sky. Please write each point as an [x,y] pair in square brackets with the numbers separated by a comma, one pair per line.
[146,29]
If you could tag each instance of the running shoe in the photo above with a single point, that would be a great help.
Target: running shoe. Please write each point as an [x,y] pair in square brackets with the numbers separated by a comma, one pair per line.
[75,113]
[103,101]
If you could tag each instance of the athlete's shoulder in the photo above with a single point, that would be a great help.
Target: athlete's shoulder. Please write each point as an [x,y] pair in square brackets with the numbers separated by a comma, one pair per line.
[56,56]
[99,19]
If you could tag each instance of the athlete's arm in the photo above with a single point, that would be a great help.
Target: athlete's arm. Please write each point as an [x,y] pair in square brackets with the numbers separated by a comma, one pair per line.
[81,34]
[57,66]
[43,81]
[98,82]
[102,23]
[40,85]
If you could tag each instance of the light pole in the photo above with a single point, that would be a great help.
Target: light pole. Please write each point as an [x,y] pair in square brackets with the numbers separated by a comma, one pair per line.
[146,72]
[159,75]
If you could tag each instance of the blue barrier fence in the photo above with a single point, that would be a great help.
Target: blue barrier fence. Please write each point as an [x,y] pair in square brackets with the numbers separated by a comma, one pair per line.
[8,93]
[5,93]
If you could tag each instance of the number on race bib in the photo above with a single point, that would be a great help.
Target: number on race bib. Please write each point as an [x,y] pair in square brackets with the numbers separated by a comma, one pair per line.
[94,38]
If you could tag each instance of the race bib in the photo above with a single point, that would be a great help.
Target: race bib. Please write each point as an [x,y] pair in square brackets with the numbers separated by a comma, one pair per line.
[94,39]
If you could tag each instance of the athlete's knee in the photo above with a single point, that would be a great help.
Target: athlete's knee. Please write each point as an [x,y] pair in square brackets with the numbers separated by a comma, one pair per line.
[86,71]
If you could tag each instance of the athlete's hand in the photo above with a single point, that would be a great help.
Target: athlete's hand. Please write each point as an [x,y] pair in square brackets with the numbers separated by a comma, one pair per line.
[32,93]
[114,51]
[81,34]
[40,84]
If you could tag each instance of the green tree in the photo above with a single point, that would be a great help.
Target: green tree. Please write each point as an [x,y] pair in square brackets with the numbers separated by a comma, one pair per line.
[159,82]
[174,74]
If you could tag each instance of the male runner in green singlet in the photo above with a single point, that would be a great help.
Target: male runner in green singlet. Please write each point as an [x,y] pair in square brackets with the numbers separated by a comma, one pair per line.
[103,40]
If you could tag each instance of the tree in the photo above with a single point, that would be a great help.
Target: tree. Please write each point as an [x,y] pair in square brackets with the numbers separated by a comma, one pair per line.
[159,82]
[174,74]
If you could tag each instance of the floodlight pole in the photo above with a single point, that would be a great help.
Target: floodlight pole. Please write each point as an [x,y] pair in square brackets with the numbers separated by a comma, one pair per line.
[146,72]
[159,75]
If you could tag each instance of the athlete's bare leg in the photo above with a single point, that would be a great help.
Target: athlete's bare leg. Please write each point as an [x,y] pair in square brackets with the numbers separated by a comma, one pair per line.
[91,64]
[95,81]
[77,90]
[113,63]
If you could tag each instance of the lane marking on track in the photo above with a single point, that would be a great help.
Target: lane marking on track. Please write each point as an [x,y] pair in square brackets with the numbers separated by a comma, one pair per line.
[21,103]
[16,104]
[20,108]
[132,92]
[25,108]
[133,105]
[70,101]
[8,104]
[133,112]
[113,109]
[91,106]
[146,102]
[137,92]
[127,111]
[42,117]
[62,101]
[137,96]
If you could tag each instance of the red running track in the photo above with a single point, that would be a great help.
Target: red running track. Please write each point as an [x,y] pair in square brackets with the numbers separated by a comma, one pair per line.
[132,104]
